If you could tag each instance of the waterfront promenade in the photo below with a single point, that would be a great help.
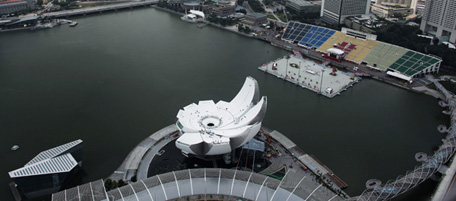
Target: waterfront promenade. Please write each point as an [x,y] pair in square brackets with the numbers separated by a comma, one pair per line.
[291,157]
[138,160]
[446,190]
[223,184]
[100,9]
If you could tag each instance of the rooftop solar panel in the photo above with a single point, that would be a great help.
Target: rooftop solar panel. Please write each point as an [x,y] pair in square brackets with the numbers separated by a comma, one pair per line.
[408,64]
[409,53]
[427,58]
[434,60]
[395,66]
[418,56]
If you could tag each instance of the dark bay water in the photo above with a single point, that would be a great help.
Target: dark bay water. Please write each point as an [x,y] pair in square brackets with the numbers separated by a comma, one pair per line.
[118,77]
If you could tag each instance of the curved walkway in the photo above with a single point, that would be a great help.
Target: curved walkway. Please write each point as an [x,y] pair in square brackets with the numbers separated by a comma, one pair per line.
[138,160]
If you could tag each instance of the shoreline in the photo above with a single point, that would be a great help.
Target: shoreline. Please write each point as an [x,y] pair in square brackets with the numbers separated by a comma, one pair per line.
[289,47]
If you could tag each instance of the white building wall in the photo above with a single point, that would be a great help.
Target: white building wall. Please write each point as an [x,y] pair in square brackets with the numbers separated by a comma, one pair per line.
[335,11]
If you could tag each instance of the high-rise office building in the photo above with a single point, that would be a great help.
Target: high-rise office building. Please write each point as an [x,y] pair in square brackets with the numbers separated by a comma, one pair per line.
[439,19]
[401,3]
[335,11]
[11,6]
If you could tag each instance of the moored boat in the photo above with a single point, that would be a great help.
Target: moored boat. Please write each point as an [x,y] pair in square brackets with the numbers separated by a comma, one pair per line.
[73,24]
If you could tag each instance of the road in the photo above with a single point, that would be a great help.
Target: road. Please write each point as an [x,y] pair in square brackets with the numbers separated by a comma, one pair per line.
[268,10]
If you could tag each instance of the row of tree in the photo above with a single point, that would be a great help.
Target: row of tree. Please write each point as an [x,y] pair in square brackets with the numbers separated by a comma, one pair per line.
[245,29]
[110,184]
[224,21]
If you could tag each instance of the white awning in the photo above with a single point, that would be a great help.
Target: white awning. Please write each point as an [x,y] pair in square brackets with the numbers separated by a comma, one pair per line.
[398,75]
[197,12]
[335,51]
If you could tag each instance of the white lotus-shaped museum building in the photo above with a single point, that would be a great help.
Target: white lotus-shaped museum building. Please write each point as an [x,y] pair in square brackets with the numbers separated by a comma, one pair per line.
[212,129]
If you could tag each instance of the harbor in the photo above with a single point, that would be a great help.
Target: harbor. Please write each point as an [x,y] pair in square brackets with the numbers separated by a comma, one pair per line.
[91,115]
[310,75]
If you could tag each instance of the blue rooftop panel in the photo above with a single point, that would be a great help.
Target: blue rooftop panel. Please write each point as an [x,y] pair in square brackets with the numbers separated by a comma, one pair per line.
[316,37]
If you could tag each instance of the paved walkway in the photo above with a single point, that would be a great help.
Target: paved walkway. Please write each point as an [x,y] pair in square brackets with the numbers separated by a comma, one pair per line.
[428,91]
[138,160]
[163,137]
[446,191]
[294,158]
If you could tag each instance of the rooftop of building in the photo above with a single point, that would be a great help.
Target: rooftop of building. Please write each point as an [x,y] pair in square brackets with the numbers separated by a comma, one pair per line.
[64,163]
[256,15]
[305,3]
[50,161]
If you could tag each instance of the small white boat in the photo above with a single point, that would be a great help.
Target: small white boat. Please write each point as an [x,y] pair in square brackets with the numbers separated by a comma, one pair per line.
[15,147]
[73,24]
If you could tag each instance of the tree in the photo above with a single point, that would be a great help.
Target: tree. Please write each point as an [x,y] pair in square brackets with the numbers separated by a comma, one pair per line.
[247,29]
[133,179]
[240,28]
[121,183]
[256,6]
[435,41]
[114,185]
[108,184]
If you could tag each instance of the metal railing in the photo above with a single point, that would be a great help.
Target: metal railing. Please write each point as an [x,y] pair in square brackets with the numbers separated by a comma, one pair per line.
[229,182]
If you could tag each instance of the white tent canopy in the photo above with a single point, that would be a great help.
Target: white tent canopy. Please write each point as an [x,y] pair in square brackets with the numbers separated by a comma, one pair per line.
[198,13]
[335,51]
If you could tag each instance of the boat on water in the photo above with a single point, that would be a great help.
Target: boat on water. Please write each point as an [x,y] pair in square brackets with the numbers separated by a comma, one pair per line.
[15,147]
[195,16]
[73,24]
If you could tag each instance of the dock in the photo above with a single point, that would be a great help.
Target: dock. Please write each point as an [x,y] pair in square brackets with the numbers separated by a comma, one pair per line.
[308,74]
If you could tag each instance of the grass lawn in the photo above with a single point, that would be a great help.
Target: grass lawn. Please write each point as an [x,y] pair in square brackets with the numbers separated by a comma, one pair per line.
[270,16]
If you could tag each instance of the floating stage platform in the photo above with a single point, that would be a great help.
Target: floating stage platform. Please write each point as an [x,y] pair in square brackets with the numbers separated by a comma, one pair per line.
[310,75]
